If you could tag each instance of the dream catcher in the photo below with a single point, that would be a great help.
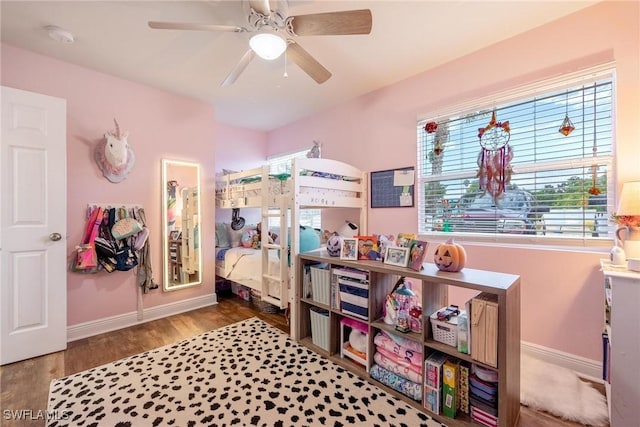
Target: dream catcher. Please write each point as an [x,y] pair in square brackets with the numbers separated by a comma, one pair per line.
[495,157]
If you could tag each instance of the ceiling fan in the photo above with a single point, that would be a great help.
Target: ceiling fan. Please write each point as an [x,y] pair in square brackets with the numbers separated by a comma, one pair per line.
[273,29]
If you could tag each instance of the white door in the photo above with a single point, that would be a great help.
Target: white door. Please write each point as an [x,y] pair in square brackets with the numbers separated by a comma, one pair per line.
[33,271]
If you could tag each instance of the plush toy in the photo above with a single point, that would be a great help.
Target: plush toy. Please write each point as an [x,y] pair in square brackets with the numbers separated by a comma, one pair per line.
[349,229]
[309,241]
[390,310]
[450,256]
[246,240]
[358,340]
[255,241]
[333,245]
[272,236]
[314,152]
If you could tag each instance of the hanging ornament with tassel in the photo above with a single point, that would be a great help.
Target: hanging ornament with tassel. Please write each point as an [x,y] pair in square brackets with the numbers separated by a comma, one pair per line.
[567,126]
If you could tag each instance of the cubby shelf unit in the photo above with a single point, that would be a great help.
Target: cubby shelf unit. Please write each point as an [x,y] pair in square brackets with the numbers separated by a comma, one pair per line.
[435,285]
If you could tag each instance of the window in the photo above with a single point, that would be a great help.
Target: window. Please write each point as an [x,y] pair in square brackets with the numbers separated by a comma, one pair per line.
[559,186]
[282,164]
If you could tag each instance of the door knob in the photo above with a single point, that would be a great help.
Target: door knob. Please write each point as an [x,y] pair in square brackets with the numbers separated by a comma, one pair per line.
[55,236]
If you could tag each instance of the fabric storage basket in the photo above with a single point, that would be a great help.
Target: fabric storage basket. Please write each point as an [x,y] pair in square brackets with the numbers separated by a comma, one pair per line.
[320,285]
[320,327]
[445,331]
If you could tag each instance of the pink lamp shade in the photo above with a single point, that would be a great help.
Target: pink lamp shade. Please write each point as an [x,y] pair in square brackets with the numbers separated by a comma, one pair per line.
[629,206]
[629,201]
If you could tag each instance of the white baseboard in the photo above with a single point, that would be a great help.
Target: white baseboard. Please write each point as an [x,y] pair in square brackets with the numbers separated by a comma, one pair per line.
[586,368]
[108,324]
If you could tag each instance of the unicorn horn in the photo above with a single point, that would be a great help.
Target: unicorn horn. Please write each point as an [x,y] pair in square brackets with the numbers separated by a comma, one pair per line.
[117,129]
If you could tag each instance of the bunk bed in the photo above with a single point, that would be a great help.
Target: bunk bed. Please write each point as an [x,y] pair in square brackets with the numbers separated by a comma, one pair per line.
[313,184]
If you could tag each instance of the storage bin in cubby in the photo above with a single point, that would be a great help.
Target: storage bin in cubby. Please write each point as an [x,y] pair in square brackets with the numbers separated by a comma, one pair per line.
[320,285]
[319,327]
[445,331]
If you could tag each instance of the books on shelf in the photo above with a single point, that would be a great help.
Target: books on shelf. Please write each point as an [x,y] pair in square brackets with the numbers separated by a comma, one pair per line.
[450,373]
[463,388]
[433,369]
[433,381]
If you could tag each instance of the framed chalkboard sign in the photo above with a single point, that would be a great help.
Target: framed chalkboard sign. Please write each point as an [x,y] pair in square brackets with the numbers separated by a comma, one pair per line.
[392,188]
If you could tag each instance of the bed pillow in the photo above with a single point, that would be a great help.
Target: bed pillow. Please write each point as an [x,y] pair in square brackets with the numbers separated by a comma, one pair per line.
[222,235]
[235,236]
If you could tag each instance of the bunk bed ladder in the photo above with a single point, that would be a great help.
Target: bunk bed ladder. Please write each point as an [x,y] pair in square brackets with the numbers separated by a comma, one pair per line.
[268,277]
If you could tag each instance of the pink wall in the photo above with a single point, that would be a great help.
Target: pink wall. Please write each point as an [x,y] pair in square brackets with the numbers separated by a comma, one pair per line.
[160,125]
[561,288]
[239,149]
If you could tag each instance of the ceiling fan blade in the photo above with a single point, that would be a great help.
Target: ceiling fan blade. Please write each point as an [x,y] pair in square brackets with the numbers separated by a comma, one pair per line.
[348,22]
[309,65]
[198,27]
[261,6]
[239,68]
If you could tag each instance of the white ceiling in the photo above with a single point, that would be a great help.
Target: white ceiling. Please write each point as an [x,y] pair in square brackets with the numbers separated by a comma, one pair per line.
[407,37]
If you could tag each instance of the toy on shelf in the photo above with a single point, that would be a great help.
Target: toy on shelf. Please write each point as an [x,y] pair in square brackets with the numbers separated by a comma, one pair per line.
[405,300]
[450,256]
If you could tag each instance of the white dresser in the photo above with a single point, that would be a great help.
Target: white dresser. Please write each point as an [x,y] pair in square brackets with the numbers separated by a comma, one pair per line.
[621,369]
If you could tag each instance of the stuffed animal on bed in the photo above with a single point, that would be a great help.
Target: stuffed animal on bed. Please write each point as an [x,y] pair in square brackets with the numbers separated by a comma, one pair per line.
[272,236]
[247,238]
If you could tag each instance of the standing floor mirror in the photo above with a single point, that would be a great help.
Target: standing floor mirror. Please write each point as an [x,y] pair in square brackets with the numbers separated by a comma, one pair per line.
[182,259]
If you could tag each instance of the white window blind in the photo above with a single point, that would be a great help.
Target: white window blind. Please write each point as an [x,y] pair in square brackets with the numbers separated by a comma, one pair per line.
[551,193]
[282,164]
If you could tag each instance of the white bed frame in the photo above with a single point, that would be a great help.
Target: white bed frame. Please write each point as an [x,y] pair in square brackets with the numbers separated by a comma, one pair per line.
[298,192]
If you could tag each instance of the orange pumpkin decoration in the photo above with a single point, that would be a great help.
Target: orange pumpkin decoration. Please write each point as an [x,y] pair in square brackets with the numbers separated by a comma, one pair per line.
[450,256]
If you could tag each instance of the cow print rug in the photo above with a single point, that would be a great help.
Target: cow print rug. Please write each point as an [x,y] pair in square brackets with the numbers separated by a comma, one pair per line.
[245,374]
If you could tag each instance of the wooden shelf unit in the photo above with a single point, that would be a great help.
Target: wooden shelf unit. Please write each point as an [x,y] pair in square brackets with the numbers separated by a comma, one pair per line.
[434,292]
[622,328]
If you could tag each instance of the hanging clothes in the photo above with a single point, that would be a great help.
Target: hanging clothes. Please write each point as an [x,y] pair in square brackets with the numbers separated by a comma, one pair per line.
[145,270]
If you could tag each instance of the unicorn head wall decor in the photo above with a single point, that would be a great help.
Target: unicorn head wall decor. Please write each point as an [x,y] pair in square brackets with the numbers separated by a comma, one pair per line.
[114,155]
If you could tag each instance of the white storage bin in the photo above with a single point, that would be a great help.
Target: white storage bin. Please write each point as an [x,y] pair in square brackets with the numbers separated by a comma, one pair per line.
[320,327]
[445,331]
[320,285]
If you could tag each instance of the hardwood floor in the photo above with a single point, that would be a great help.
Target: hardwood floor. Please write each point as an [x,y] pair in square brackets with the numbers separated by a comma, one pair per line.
[24,386]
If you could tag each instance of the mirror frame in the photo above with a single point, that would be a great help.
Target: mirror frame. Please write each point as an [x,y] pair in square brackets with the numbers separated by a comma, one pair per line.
[167,285]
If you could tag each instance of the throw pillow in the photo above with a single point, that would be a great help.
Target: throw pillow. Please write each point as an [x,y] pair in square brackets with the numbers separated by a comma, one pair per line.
[222,235]
[236,235]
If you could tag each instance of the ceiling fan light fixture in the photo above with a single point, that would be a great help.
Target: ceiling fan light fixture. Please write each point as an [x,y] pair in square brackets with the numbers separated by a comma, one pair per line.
[59,34]
[268,46]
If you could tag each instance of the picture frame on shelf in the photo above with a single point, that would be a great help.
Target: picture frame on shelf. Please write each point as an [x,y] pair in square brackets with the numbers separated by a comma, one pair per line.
[349,248]
[396,255]
[404,239]
[368,247]
[175,235]
[417,254]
